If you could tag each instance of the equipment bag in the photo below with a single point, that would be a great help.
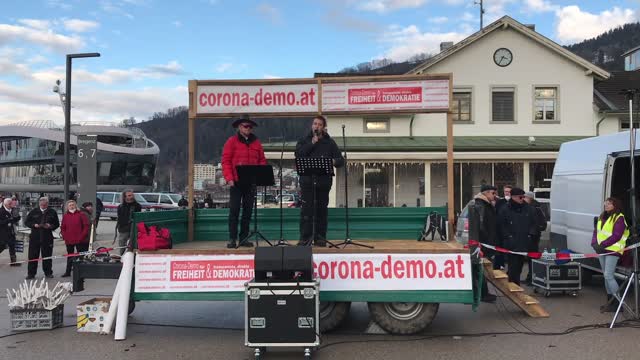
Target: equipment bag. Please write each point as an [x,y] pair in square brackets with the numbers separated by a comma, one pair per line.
[153,237]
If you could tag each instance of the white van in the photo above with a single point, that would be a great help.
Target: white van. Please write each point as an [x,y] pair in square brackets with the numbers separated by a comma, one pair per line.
[162,201]
[585,174]
[111,200]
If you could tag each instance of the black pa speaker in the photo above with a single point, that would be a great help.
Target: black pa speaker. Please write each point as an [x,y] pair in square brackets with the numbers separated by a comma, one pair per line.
[275,263]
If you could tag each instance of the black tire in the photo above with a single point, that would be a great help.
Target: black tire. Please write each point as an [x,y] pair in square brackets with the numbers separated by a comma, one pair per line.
[333,314]
[403,318]
[132,306]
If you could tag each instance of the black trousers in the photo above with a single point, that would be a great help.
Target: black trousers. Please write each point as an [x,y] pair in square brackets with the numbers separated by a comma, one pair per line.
[72,249]
[321,211]
[11,244]
[40,248]
[516,262]
[241,196]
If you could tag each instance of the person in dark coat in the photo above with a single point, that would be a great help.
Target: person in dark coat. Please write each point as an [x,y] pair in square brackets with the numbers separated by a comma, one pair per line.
[75,232]
[317,144]
[498,259]
[541,225]
[8,219]
[517,225]
[183,202]
[99,209]
[486,215]
[42,221]
[126,209]
[243,148]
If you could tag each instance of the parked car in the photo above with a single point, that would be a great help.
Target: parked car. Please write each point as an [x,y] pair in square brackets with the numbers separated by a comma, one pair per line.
[288,200]
[162,201]
[267,200]
[111,200]
[462,226]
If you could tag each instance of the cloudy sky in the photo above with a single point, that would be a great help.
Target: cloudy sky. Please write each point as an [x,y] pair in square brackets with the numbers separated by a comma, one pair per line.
[151,48]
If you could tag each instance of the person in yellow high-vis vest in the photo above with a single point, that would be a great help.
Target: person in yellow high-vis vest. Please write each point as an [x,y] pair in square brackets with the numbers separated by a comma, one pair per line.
[610,237]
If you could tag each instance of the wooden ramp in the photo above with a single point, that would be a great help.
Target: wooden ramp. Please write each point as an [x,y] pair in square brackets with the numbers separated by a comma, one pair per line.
[513,292]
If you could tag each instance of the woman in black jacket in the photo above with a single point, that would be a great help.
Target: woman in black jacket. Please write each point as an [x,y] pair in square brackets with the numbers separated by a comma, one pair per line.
[317,144]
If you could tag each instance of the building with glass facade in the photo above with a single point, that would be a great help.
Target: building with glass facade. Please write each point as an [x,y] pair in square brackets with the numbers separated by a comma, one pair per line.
[32,157]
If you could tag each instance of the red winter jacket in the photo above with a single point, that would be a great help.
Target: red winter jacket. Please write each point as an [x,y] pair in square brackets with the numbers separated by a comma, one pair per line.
[74,228]
[240,151]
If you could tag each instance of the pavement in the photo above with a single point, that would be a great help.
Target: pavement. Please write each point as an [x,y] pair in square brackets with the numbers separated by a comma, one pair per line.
[214,330]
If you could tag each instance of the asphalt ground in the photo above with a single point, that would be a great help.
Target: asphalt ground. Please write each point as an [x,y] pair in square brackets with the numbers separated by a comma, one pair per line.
[214,330]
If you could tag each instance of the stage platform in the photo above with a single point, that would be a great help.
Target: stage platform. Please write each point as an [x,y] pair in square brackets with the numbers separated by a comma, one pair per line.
[380,246]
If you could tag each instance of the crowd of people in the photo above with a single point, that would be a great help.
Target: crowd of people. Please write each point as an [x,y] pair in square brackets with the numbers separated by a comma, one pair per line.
[516,221]
[75,229]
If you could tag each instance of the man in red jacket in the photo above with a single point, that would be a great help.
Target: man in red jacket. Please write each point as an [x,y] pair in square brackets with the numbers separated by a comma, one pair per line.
[243,148]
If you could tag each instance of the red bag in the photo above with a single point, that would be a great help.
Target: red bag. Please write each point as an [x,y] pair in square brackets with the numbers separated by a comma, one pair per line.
[153,237]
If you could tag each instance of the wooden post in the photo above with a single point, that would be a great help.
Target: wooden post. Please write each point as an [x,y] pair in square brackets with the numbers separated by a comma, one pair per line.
[450,188]
[193,87]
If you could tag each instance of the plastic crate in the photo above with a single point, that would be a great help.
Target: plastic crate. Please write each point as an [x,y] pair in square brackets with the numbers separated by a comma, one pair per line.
[36,319]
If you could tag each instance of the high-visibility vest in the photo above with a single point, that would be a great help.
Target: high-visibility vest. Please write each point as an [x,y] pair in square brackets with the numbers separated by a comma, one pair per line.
[604,232]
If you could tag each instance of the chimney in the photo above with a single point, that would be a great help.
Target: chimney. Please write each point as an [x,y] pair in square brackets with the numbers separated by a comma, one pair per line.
[445,45]
[531,26]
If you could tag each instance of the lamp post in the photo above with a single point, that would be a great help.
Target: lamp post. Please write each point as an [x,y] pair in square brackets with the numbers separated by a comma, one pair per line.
[67,119]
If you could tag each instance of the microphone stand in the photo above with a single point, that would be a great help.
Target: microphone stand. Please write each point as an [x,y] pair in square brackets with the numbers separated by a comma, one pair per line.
[347,241]
[282,241]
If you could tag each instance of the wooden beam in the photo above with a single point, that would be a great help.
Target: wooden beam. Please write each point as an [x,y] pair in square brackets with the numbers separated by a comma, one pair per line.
[450,188]
[191,143]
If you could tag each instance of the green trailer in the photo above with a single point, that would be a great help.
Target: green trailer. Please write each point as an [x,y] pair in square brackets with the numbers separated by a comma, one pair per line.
[402,280]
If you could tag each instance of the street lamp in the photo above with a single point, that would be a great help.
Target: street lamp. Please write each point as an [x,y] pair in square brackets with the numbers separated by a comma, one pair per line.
[67,119]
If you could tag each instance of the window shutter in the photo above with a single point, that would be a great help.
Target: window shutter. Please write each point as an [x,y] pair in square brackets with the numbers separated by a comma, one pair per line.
[502,106]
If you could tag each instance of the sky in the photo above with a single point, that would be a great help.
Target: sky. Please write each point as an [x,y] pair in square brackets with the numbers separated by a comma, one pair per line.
[151,48]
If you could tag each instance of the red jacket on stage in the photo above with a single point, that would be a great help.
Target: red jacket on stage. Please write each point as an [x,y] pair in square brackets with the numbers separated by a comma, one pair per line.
[74,228]
[240,151]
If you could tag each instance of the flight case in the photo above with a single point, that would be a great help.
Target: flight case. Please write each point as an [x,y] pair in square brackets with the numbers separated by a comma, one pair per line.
[551,277]
[282,314]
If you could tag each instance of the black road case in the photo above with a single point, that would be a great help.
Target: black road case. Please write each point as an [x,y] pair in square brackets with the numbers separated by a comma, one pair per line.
[551,277]
[282,314]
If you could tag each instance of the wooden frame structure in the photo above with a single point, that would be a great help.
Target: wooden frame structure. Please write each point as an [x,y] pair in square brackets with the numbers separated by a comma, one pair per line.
[194,115]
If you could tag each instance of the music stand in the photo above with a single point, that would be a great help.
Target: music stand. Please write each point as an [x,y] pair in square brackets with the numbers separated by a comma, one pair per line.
[314,166]
[255,175]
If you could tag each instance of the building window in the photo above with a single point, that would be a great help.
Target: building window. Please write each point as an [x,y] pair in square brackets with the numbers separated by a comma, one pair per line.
[461,106]
[503,105]
[376,125]
[546,99]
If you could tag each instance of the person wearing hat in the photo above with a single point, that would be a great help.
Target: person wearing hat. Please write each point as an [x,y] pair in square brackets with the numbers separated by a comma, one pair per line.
[243,148]
[487,232]
[541,225]
[517,225]
[316,144]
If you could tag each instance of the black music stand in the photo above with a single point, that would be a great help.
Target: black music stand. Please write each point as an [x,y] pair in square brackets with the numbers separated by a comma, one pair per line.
[347,239]
[255,175]
[315,166]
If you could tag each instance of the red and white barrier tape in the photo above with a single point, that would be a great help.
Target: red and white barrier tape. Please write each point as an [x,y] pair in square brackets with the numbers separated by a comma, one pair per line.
[82,253]
[548,255]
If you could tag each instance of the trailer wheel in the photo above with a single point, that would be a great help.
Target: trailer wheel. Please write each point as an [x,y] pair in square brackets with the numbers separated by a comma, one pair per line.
[403,318]
[332,314]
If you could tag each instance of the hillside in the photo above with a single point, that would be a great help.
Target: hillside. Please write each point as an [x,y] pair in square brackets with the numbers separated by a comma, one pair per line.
[606,49]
